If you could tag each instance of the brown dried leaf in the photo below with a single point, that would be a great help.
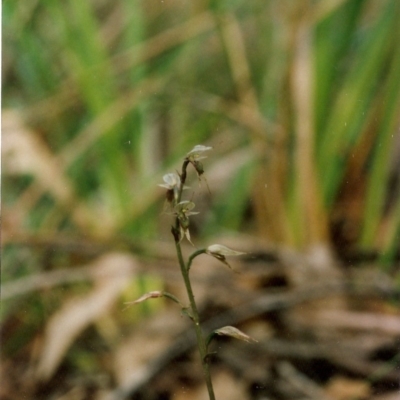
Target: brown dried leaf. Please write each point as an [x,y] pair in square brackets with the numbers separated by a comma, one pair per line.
[77,313]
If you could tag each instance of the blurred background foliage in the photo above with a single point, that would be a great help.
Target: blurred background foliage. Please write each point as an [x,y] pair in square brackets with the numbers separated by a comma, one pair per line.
[299,99]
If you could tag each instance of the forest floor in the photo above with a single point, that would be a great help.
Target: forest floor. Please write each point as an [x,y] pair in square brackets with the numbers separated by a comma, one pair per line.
[324,330]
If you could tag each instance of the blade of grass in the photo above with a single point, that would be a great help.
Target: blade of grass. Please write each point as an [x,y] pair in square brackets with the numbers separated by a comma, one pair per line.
[343,126]
[97,90]
[229,211]
[331,46]
[378,179]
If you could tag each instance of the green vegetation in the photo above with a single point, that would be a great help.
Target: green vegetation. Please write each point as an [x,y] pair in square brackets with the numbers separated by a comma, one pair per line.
[114,92]
[300,101]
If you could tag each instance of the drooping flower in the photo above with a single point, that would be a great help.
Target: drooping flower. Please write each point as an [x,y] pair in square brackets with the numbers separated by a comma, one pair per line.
[195,155]
[220,252]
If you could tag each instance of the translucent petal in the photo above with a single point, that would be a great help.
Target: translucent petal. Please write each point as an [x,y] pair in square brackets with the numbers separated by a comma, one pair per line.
[171,180]
[195,153]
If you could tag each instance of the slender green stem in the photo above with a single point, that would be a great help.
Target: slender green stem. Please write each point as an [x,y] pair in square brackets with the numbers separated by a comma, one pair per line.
[196,320]
[185,274]
[183,180]
[193,256]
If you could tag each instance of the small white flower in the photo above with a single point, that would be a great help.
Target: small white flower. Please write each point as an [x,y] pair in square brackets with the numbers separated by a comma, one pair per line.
[196,153]
[172,181]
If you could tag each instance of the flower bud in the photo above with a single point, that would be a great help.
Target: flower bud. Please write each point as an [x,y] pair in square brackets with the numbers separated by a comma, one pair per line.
[219,252]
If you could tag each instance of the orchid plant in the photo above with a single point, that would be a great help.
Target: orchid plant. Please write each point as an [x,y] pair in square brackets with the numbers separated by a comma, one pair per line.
[182,210]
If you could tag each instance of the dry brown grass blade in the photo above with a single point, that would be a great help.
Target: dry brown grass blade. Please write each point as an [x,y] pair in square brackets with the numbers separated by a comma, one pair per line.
[260,128]
[113,26]
[325,8]
[53,106]
[25,153]
[78,313]
[51,279]
[162,42]
[234,43]
[107,120]
[268,195]
[235,46]
[312,222]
